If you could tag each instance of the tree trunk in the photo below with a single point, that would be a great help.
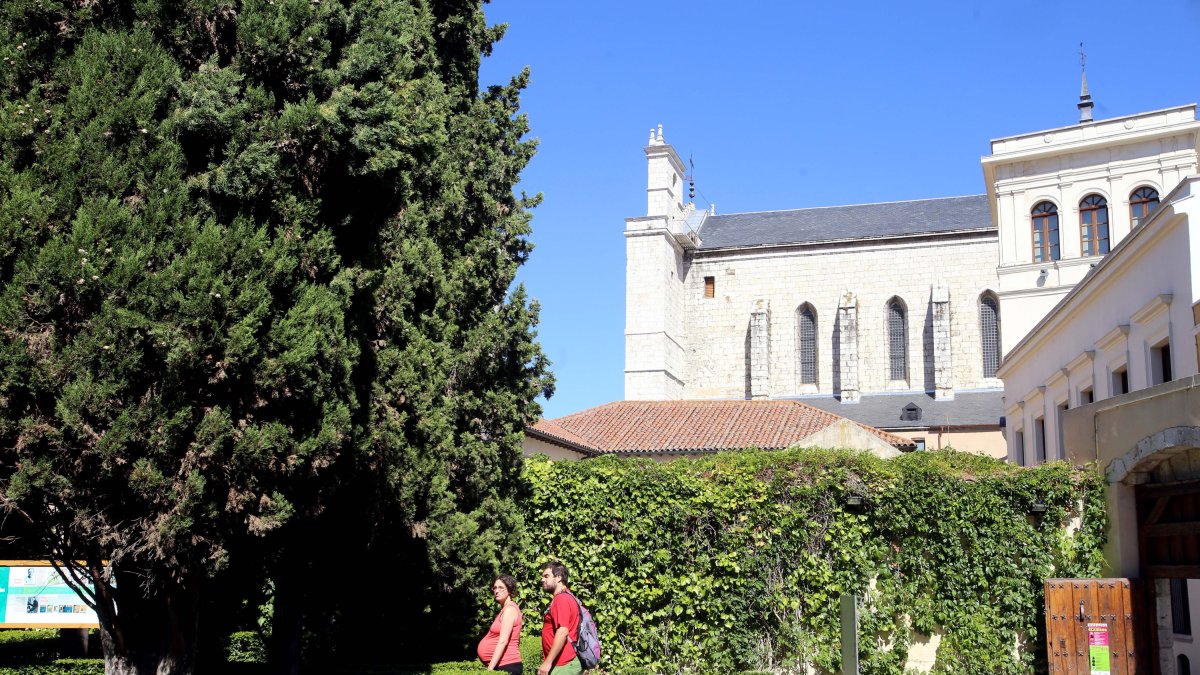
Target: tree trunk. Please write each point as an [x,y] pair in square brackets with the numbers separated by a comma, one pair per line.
[151,632]
[73,642]
[287,622]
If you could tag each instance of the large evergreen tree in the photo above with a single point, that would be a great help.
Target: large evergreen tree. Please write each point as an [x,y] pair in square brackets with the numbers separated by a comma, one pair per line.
[255,270]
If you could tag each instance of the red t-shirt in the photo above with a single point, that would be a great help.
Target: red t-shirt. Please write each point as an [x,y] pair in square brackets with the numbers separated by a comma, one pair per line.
[563,611]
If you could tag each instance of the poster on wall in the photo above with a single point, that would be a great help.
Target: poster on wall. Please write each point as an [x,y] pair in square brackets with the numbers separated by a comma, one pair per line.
[1098,649]
[35,596]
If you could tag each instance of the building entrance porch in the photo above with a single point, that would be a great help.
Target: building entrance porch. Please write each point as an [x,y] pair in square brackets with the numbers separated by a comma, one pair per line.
[1147,443]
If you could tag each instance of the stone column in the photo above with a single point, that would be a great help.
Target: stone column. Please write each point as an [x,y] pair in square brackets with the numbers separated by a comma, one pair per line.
[847,319]
[943,362]
[760,351]
[1164,624]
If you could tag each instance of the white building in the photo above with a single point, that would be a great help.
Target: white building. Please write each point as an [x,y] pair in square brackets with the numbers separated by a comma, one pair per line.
[811,304]
[1110,377]
[1063,197]
[1105,365]
[1122,341]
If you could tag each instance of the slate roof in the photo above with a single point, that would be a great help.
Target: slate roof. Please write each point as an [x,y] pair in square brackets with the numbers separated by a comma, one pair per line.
[969,408]
[630,427]
[858,221]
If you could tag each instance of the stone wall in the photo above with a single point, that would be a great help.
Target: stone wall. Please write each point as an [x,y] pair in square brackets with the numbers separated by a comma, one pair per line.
[718,329]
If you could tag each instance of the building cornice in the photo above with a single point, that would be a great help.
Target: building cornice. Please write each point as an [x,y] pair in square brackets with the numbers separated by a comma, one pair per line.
[1099,126]
[1037,393]
[1033,292]
[1157,305]
[946,238]
[667,150]
[1084,359]
[1082,138]
[1060,374]
[1072,147]
[1113,337]
[1065,263]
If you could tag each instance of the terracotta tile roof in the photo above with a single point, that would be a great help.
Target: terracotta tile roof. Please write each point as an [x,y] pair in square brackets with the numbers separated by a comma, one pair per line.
[694,426]
[552,432]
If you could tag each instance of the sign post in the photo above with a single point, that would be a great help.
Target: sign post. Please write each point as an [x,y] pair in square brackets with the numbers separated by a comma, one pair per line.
[849,635]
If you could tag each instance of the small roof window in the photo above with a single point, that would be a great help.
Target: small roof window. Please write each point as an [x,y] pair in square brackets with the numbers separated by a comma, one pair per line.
[910,413]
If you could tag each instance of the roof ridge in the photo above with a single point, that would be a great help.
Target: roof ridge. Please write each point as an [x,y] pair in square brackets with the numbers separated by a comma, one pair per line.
[842,206]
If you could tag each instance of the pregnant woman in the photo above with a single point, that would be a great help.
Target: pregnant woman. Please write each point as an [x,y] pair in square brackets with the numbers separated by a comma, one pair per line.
[500,648]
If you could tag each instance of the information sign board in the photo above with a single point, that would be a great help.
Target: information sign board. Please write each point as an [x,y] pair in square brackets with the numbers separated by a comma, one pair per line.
[1098,648]
[33,595]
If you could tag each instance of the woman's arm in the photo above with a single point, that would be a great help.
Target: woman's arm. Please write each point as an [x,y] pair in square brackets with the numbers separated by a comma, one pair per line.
[508,617]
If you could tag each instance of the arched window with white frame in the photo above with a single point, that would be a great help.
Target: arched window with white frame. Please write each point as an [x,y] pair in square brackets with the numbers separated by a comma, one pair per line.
[1045,232]
[1093,225]
[1142,203]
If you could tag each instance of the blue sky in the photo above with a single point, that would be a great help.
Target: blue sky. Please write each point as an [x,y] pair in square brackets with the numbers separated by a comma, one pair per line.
[790,105]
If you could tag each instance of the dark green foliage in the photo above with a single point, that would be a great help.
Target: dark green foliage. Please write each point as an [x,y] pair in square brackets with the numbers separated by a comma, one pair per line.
[28,647]
[739,560]
[531,645]
[36,652]
[246,647]
[59,667]
[255,270]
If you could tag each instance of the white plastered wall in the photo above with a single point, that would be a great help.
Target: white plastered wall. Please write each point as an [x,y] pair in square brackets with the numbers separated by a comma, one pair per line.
[535,446]
[1111,158]
[1142,295]
[654,352]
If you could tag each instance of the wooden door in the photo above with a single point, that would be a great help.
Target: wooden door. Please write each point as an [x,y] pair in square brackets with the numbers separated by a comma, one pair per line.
[1094,626]
[1169,530]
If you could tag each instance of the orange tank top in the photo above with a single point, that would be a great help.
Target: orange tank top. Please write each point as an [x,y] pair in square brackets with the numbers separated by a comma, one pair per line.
[512,651]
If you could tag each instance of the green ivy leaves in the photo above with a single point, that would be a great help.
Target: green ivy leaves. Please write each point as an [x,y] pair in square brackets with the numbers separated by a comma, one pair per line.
[739,560]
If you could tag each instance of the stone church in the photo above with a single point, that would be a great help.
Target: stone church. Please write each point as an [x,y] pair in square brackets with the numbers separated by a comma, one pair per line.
[811,305]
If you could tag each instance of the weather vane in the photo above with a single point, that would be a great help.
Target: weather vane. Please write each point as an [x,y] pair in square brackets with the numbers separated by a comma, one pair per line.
[691,179]
[1082,58]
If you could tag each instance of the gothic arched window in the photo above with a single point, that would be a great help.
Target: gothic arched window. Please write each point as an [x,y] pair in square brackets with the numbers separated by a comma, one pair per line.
[1045,232]
[806,340]
[1142,203]
[989,332]
[1093,225]
[897,340]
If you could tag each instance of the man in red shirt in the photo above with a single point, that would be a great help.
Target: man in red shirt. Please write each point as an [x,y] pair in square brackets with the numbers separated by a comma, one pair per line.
[560,628]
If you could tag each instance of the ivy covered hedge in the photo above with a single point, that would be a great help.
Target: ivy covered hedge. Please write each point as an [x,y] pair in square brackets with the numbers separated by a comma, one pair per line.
[738,561]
